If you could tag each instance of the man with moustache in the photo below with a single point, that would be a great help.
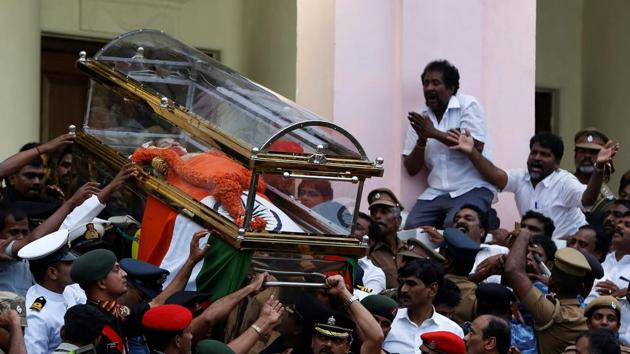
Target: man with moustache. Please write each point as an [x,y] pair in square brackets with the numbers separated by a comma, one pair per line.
[420,280]
[615,267]
[588,142]
[474,223]
[543,187]
[614,213]
[452,179]
[385,211]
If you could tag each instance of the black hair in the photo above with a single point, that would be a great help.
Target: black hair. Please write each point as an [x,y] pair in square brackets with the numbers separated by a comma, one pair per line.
[547,244]
[623,202]
[37,161]
[564,284]
[494,299]
[549,141]
[450,74]
[483,217]
[39,269]
[500,330]
[548,226]
[83,324]
[424,269]
[6,210]
[66,151]
[448,294]
[159,340]
[602,242]
[601,341]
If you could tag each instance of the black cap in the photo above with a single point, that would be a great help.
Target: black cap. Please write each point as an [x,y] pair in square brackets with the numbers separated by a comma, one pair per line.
[144,276]
[194,301]
[459,242]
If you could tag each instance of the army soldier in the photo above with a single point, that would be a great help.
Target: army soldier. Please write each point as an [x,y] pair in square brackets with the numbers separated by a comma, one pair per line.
[104,281]
[558,318]
[168,329]
[49,261]
[442,342]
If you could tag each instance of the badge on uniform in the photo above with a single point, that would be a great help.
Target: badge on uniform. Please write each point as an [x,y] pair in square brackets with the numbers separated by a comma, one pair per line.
[124,311]
[38,304]
[363,288]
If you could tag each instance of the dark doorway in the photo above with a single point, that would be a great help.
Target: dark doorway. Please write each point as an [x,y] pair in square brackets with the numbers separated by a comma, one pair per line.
[64,87]
[545,108]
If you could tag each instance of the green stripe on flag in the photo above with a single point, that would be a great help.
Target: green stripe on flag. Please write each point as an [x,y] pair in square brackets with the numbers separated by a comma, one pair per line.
[224,269]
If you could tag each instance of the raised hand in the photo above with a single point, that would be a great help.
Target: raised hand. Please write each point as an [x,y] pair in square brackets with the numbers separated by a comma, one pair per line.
[270,314]
[84,192]
[255,285]
[197,253]
[607,153]
[57,143]
[422,125]
[336,285]
[463,143]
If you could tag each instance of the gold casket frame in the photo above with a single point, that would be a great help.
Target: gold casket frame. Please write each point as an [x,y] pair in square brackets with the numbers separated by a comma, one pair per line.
[324,158]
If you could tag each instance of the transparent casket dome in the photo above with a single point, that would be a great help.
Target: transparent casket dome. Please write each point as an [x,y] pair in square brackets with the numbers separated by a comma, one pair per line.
[217,95]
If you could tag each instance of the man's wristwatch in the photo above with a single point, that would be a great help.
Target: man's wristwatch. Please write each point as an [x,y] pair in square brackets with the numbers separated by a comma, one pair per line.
[350,300]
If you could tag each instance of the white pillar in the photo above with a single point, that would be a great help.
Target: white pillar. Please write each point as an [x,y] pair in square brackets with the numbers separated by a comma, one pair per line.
[19,74]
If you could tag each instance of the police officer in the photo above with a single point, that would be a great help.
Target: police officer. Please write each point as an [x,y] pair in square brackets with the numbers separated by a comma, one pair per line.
[558,318]
[460,252]
[604,312]
[49,262]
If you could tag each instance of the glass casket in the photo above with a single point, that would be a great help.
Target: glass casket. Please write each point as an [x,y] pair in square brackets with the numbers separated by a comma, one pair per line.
[277,187]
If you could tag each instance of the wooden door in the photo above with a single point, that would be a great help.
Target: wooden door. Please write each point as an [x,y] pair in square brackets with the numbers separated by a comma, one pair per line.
[63,86]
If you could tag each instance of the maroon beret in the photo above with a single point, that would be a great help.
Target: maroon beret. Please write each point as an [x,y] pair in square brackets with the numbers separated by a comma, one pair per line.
[444,342]
[167,318]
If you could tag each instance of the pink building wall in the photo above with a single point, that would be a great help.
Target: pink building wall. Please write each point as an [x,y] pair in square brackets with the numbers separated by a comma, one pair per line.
[380,49]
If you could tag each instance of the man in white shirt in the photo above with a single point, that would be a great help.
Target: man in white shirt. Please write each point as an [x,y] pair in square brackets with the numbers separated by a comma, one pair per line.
[543,187]
[617,265]
[420,280]
[452,180]
[50,261]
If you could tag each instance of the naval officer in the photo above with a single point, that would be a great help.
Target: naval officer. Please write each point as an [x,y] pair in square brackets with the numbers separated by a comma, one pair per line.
[47,301]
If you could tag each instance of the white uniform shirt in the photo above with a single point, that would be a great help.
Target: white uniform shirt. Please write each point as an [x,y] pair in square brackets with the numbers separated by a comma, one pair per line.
[485,251]
[373,276]
[451,171]
[41,335]
[404,336]
[558,197]
[614,269]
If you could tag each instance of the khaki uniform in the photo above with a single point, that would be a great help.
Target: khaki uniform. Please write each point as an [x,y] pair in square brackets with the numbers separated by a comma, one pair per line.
[383,257]
[464,311]
[557,323]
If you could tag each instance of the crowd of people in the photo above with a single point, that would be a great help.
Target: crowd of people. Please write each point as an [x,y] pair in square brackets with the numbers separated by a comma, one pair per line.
[556,283]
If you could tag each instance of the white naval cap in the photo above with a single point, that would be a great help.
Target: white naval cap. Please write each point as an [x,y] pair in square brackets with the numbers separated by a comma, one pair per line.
[53,247]
[78,230]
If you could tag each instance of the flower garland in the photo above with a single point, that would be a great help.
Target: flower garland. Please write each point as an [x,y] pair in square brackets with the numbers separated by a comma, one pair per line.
[225,180]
